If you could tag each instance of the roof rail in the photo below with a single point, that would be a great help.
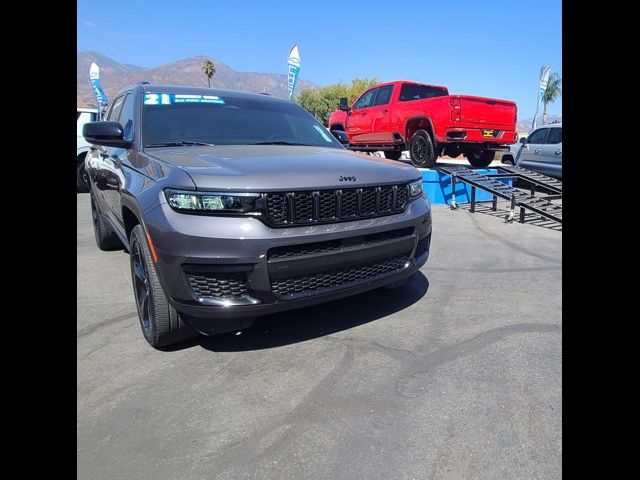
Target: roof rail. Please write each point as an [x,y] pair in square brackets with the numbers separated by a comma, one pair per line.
[143,82]
[265,93]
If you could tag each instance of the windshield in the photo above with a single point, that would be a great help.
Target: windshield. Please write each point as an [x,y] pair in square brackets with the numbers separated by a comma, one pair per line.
[228,120]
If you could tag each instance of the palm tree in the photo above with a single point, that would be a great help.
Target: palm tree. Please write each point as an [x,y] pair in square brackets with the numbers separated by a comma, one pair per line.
[552,92]
[209,70]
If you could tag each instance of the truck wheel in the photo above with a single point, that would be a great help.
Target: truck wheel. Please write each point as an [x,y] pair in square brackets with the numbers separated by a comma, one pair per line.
[392,154]
[82,177]
[421,150]
[161,324]
[105,238]
[480,158]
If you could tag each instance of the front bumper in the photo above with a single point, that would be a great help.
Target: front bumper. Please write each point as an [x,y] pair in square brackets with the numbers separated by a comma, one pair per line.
[241,247]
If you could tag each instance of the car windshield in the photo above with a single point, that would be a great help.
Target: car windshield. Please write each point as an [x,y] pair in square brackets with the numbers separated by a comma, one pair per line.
[170,119]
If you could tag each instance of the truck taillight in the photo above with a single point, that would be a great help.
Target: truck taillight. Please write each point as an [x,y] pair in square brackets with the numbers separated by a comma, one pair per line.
[455,109]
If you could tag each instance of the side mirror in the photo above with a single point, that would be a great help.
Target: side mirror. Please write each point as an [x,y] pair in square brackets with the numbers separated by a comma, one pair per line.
[344,105]
[341,136]
[109,134]
[523,140]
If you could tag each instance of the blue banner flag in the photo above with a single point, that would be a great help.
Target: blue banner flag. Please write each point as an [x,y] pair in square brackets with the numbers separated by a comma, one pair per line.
[294,69]
[101,97]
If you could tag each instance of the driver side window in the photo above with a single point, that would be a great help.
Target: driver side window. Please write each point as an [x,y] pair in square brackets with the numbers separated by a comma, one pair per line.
[366,100]
[538,137]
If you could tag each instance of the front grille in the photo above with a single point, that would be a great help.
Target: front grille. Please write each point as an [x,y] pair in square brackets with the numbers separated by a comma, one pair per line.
[335,245]
[218,285]
[317,282]
[328,206]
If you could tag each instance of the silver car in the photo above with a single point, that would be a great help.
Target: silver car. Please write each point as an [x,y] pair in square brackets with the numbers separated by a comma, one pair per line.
[540,152]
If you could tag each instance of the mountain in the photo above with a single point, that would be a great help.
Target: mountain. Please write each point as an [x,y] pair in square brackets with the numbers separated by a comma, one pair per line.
[525,125]
[115,75]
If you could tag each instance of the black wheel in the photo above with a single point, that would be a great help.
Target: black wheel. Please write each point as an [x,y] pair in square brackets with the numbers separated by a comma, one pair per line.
[480,158]
[508,160]
[161,324]
[421,150]
[105,238]
[82,177]
[392,154]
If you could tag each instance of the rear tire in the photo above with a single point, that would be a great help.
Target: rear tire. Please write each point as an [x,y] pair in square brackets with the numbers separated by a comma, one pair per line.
[82,177]
[421,150]
[105,238]
[392,154]
[480,158]
[161,324]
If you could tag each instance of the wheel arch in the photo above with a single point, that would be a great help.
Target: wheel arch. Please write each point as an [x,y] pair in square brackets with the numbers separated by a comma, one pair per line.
[416,123]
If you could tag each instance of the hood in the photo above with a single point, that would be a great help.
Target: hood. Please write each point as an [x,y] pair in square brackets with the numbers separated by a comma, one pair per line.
[281,167]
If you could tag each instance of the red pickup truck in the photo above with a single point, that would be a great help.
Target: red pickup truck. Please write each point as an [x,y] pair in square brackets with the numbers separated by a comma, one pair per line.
[427,121]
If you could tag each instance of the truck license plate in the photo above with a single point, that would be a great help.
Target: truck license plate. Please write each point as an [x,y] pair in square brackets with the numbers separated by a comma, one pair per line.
[488,133]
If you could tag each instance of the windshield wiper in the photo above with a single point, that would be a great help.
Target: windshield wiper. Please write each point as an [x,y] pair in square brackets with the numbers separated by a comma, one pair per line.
[281,142]
[179,144]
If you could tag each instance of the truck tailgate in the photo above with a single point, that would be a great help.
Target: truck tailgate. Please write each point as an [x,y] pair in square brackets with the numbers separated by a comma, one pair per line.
[486,111]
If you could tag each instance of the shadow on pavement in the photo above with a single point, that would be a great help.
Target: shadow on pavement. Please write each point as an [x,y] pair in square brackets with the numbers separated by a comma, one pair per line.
[311,322]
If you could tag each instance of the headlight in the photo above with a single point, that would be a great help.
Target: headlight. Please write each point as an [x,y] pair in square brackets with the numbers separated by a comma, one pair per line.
[415,188]
[211,202]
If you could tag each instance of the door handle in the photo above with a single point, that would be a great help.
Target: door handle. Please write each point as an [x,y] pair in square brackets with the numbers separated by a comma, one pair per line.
[536,150]
[558,152]
[385,111]
[364,113]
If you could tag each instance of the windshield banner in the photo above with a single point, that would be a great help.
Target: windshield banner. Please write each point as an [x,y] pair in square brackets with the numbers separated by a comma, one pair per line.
[294,69]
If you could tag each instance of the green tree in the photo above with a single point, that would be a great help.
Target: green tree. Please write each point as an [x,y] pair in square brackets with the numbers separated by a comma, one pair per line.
[321,102]
[552,92]
[209,69]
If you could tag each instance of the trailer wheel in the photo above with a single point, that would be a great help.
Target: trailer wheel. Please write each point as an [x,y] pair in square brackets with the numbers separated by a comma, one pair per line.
[421,150]
[480,158]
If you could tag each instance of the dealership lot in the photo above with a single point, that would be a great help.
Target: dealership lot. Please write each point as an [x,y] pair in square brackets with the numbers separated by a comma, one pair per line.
[457,375]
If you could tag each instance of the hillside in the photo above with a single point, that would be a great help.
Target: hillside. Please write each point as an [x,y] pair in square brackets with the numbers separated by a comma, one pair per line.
[115,75]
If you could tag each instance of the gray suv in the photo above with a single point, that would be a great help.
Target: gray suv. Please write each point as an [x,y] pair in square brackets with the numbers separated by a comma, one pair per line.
[234,205]
[541,151]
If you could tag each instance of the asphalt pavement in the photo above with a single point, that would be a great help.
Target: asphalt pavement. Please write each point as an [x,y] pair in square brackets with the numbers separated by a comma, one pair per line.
[455,376]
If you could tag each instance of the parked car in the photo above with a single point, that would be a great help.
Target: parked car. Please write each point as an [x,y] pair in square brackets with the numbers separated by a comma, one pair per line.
[541,151]
[83,115]
[427,121]
[234,205]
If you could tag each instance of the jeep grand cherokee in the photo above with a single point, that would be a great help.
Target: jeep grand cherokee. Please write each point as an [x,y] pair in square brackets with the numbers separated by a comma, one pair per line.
[234,205]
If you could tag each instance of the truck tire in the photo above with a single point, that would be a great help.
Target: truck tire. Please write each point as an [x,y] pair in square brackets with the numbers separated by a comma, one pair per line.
[421,150]
[392,154]
[106,239]
[82,178]
[161,324]
[480,158]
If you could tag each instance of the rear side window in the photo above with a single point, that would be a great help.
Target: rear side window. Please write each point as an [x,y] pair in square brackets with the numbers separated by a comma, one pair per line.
[555,136]
[366,100]
[538,136]
[384,95]
[420,92]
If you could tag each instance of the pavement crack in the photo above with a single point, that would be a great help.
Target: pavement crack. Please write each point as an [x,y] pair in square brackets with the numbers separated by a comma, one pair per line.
[413,384]
[88,330]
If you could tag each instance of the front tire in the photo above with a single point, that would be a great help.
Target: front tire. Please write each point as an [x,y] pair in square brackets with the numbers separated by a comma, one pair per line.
[480,158]
[161,324]
[82,177]
[508,160]
[106,239]
[392,154]
[421,150]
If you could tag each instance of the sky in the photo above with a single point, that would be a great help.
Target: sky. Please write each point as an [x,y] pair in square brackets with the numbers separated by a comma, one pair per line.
[491,48]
